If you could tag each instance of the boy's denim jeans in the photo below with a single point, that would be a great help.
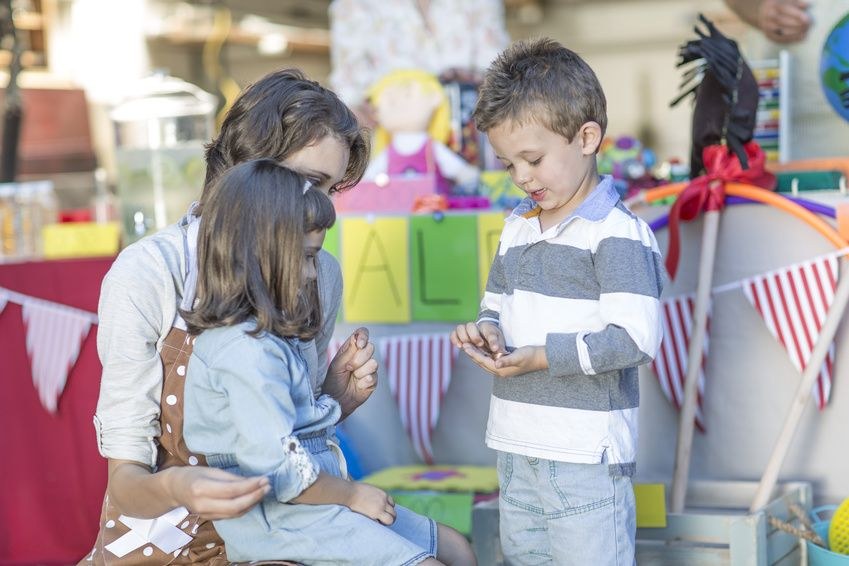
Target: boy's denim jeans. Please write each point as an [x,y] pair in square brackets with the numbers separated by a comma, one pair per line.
[560,513]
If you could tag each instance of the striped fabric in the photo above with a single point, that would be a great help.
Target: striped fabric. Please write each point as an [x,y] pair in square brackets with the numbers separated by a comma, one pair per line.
[670,365]
[418,368]
[586,289]
[54,336]
[793,302]
[419,371]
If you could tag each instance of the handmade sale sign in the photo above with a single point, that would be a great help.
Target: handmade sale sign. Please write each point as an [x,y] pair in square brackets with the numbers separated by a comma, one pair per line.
[375,259]
[331,241]
[489,233]
[444,273]
[419,267]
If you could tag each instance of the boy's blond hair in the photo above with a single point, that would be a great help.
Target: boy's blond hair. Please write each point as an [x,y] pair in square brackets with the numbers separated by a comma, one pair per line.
[541,81]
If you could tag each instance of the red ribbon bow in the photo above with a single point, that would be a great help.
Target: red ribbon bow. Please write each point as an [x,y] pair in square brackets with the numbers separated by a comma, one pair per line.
[707,193]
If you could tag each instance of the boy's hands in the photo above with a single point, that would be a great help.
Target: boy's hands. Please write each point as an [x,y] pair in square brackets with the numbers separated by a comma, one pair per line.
[485,336]
[372,502]
[521,360]
[484,343]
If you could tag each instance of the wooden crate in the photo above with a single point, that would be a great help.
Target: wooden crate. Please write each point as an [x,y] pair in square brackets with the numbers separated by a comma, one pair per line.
[716,528]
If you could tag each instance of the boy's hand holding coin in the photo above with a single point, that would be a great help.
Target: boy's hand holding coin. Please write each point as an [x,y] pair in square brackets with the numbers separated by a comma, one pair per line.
[485,336]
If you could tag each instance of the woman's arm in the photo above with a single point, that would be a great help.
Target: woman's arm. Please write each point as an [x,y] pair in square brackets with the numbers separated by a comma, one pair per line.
[138,300]
[330,296]
[137,305]
[352,375]
[212,493]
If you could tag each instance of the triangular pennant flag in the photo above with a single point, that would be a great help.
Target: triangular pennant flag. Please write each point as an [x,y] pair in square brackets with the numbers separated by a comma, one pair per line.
[670,364]
[419,371]
[54,336]
[793,302]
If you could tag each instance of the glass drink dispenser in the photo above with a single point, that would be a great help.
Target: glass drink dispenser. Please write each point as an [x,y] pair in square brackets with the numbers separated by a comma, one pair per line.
[160,132]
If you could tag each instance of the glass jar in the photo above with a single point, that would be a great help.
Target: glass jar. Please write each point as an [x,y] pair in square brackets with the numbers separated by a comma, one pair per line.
[160,132]
[32,207]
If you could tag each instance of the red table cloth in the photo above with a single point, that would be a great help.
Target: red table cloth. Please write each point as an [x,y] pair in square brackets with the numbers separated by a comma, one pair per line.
[52,476]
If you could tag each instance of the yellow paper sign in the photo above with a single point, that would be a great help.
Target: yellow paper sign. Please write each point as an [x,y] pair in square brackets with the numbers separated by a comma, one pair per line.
[375,268]
[489,231]
[651,505]
[81,239]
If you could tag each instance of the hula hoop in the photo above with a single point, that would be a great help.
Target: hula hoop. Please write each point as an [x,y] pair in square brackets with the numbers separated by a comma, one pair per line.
[661,222]
[756,194]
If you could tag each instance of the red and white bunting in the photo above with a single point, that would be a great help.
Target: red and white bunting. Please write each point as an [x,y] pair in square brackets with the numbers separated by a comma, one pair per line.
[670,364]
[793,302]
[54,336]
[419,371]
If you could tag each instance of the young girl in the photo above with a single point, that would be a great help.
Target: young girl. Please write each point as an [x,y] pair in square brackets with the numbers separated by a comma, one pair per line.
[250,405]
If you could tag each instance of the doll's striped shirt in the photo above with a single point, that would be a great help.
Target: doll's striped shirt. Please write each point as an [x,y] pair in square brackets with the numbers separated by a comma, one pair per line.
[588,290]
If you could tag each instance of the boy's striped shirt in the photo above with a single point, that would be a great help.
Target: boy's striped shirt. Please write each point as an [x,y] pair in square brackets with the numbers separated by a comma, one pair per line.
[587,289]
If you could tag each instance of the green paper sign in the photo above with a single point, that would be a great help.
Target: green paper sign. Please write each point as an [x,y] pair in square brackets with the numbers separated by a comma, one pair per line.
[443,253]
[331,246]
[331,241]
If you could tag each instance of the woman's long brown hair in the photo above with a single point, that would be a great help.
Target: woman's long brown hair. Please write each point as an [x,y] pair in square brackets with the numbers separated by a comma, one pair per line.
[278,115]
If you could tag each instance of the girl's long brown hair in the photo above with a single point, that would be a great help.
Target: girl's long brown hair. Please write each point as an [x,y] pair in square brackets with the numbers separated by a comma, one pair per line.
[251,251]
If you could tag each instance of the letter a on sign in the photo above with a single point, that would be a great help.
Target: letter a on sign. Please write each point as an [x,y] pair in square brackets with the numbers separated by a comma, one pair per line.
[375,260]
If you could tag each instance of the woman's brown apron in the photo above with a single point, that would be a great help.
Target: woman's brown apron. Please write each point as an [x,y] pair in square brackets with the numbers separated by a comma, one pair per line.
[203,545]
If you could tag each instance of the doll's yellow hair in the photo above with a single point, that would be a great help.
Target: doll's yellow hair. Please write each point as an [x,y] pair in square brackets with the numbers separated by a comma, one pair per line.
[439,128]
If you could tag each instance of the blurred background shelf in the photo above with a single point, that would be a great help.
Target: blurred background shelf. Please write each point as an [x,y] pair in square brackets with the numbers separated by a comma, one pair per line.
[31,19]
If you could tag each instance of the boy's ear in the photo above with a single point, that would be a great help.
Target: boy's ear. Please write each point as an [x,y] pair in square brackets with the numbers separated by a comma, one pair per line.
[590,136]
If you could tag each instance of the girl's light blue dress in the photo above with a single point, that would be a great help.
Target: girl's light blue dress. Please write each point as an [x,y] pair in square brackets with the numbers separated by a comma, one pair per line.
[252,409]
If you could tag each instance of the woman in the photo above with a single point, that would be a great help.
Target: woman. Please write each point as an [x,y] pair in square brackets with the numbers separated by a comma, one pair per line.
[143,345]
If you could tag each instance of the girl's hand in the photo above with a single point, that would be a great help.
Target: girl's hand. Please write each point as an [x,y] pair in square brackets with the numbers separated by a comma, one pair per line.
[214,493]
[520,361]
[372,502]
[352,375]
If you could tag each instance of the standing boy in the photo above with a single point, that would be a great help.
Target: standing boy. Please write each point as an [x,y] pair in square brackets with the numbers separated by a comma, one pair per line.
[570,310]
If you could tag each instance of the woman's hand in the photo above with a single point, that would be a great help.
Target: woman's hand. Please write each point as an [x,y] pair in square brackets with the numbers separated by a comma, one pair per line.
[209,492]
[372,502]
[352,375]
[214,493]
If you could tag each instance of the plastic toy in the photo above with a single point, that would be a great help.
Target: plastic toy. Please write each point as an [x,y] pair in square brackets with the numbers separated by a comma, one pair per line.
[412,113]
